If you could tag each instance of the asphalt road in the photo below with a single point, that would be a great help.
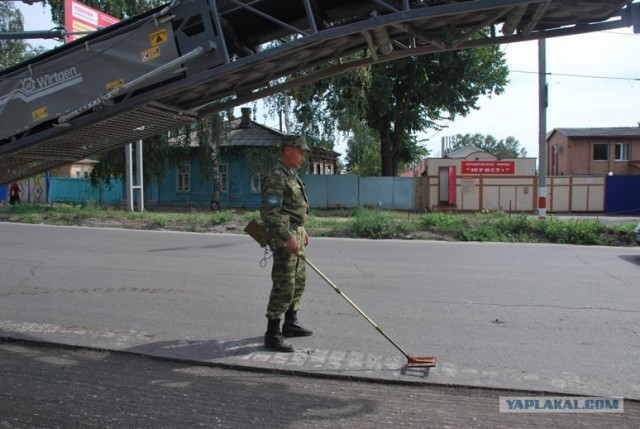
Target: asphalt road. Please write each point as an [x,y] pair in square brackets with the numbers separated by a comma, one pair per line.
[541,318]
[53,387]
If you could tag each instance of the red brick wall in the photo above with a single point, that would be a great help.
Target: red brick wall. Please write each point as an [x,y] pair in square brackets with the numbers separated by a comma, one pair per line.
[574,156]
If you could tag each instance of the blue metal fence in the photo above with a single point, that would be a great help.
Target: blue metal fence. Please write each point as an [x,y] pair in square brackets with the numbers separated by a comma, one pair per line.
[81,191]
[622,195]
[349,191]
[324,191]
[397,193]
[332,192]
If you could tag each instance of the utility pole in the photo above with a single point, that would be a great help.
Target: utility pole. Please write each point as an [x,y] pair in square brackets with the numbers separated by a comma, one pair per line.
[135,192]
[543,98]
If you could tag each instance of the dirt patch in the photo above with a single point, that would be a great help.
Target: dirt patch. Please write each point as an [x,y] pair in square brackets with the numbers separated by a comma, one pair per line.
[114,222]
[229,227]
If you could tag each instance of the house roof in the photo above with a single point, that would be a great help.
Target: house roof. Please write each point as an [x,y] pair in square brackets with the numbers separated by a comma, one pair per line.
[418,170]
[598,132]
[253,135]
[257,135]
[86,161]
[464,152]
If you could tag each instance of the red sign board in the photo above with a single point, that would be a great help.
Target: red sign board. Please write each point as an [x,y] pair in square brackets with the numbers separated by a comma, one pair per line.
[488,167]
[82,18]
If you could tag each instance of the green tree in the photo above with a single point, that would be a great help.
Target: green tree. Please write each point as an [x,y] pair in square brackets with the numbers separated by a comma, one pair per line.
[13,51]
[212,130]
[416,94]
[363,152]
[507,148]
[157,151]
[398,99]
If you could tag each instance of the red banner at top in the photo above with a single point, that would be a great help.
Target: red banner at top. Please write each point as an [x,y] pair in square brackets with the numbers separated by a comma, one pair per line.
[488,167]
[79,17]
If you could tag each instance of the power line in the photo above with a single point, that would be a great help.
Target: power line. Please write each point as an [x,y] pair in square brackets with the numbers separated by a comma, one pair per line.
[578,75]
[632,79]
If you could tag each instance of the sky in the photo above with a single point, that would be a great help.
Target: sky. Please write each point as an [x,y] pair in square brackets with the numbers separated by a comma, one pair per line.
[593,81]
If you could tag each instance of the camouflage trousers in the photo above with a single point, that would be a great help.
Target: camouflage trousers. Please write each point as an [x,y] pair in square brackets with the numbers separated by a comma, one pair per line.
[289,278]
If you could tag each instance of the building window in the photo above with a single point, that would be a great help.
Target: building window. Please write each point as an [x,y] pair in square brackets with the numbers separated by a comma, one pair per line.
[183,178]
[601,152]
[623,151]
[224,178]
[255,184]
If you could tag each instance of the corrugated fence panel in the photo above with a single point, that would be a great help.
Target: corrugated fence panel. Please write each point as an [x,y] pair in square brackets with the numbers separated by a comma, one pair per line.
[376,192]
[317,190]
[332,191]
[350,191]
[387,192]
[404,193]
[80,191]
[343,191]
[622,195]
[113,193]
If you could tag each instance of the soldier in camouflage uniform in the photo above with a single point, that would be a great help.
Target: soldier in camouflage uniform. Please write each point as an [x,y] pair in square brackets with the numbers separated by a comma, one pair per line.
[283,211]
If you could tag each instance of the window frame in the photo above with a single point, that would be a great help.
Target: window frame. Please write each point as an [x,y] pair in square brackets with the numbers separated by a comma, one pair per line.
[256,184]
[593,155]
[617,152]
[183,171]
[223,170]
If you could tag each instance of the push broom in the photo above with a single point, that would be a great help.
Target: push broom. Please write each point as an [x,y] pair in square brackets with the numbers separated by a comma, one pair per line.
[412,361]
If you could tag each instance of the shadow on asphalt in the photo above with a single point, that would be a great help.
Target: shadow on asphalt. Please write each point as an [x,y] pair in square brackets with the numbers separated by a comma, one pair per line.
[201,350]
[179,249]
[634,259]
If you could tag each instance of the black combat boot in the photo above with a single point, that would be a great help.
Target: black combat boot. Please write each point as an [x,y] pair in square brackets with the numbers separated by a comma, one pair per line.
[274,340]
[293,328]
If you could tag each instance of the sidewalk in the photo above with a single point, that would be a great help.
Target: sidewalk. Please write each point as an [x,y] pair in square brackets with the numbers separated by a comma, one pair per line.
[604,218]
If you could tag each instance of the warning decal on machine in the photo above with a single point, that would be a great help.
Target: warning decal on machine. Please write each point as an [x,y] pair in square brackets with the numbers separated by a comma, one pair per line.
[114,84]
[40,113]
[158,37]
[150,54]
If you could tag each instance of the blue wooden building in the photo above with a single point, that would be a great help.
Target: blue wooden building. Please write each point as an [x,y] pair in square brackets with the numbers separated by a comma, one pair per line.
[184,185]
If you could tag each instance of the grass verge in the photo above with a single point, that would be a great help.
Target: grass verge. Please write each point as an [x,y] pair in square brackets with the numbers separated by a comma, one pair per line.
[352,223]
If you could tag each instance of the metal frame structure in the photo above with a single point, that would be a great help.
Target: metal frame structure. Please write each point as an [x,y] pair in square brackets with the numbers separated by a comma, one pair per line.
[230,52]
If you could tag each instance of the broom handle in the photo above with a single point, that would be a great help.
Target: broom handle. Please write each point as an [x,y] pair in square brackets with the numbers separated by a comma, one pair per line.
[353,304]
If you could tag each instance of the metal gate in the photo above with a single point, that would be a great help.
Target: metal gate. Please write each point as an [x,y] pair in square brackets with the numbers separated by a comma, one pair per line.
[622,195]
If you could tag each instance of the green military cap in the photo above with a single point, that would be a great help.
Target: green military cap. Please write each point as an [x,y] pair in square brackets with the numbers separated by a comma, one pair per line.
[295,141]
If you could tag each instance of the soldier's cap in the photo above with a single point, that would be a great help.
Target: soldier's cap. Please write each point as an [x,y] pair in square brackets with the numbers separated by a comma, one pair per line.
[295,141]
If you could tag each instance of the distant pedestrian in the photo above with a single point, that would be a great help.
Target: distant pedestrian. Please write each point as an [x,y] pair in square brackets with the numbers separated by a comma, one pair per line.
[284,210]
[14,193]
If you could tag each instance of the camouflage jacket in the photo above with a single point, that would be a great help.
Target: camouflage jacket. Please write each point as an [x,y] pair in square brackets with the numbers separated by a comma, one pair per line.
[284,202]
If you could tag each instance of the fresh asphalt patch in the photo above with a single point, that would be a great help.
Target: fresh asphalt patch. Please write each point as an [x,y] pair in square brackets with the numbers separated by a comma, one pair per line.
[52,386]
